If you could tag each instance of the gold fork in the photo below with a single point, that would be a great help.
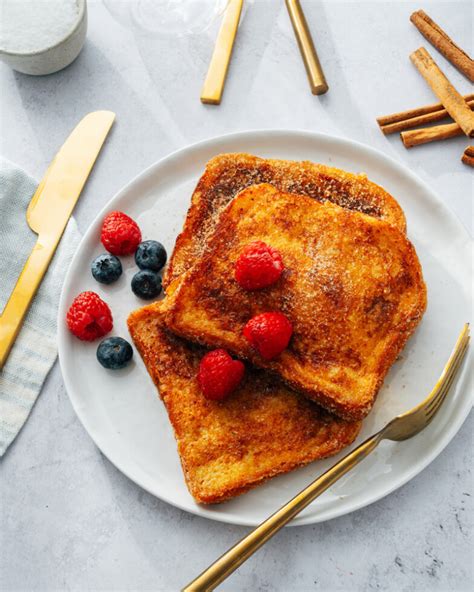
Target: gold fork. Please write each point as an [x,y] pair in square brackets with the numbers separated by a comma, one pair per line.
[400,428]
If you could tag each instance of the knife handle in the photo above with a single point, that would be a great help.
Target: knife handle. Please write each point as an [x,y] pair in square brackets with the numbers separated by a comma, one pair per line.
[315,73]
[22,295]
[214,84]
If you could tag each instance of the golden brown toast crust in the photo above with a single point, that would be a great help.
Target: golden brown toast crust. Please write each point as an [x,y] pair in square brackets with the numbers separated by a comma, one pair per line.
[352,288]
[260,431]
[227,174]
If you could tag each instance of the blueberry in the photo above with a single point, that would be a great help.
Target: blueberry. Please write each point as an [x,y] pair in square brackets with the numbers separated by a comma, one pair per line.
[150,254]
[106,268]
[114,353]
[146,284]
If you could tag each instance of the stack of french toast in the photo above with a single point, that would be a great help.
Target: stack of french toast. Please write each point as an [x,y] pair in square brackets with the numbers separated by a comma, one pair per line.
[351,288]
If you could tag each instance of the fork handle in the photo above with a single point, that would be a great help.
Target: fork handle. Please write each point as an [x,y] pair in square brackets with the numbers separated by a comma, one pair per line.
[240,552]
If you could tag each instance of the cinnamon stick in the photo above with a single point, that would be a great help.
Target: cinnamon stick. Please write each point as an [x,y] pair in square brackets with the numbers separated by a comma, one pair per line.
[468,156]
[430,134]
[410,113]
[453,102]
[443,43]
[411,122]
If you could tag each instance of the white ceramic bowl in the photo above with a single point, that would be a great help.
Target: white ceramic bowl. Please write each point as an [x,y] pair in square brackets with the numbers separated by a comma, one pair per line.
[54,58]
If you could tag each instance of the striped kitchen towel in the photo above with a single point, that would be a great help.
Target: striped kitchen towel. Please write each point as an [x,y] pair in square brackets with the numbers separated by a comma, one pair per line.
[35,349]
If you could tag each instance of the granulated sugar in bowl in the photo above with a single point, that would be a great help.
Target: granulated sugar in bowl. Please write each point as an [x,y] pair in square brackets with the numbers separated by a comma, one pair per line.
[41,36]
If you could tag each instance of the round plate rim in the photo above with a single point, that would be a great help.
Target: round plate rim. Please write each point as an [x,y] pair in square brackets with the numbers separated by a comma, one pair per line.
[460,414]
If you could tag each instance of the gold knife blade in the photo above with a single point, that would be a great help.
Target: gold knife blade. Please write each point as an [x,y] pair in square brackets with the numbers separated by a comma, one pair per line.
[48,213]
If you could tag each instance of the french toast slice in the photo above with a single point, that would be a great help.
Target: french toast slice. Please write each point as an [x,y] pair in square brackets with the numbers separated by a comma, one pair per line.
[262,430]
[228,174]
[352,289]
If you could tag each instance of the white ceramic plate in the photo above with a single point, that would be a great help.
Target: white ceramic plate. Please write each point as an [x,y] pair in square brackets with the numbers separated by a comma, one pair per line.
[127,421]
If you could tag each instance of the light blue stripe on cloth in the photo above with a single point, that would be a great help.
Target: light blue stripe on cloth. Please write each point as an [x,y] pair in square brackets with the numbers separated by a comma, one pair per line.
[35,349]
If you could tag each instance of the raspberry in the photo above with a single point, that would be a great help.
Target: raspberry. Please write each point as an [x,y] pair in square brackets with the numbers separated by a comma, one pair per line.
[269,333]
[120,234]
[89,317]
[219,374]
[258,266]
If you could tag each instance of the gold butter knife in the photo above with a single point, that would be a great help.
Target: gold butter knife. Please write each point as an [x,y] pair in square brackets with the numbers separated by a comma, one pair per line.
[214,84]
[48,213]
